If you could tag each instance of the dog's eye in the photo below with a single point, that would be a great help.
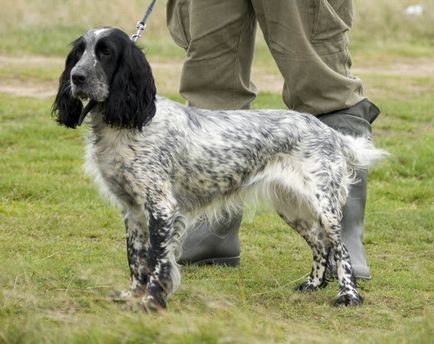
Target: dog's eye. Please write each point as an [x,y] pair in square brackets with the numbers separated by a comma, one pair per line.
[78,54]
[105,51]
[79,47]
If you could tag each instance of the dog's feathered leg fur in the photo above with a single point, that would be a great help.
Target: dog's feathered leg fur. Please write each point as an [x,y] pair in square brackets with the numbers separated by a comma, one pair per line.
[320,246]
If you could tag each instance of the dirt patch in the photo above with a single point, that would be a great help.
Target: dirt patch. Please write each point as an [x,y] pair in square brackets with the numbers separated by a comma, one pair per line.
[405,67]
[28,88]
[30,60]
[167,74]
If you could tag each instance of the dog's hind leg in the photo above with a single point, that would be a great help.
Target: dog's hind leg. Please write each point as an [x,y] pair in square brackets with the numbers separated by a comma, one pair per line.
[348,294]
[320,246]
[296,211]
[320,250]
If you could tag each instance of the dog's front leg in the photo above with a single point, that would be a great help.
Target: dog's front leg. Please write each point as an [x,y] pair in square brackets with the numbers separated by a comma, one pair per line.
[165,228]
[137,235]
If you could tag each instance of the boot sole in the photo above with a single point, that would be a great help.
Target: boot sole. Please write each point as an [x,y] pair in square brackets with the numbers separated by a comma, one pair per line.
[229,261]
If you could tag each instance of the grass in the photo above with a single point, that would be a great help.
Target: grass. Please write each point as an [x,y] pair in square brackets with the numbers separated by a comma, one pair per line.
[62,247]
[62,251]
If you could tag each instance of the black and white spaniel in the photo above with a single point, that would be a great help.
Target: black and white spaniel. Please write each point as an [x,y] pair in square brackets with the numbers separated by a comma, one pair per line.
[166,164]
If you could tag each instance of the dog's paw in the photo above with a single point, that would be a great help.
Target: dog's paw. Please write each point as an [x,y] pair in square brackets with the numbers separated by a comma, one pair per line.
[307,286]
[124,296]
[353,299]
[151,304]
[121,295]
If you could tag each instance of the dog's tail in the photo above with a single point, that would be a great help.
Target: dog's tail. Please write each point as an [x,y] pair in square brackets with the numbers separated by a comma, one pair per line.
[360,152]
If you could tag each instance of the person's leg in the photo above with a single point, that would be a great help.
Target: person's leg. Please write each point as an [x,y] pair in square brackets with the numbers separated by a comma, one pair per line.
[218,38]
[354,121]
[308,41]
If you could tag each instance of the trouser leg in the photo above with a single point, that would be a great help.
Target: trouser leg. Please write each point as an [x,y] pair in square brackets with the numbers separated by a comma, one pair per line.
[218,38]
[308,41]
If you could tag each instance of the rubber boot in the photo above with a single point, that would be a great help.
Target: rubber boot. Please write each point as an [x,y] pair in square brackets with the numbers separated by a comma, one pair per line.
[355,121]
[216,243]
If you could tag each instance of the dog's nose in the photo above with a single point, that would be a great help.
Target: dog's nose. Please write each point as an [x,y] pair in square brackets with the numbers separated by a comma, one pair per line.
[78,78]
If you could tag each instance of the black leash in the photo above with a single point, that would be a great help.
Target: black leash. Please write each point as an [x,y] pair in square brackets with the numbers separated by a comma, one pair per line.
[141,24]
[92,103]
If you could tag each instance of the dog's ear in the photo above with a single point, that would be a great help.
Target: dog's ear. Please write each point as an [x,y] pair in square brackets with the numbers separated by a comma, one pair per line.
[131,103]
[66,108]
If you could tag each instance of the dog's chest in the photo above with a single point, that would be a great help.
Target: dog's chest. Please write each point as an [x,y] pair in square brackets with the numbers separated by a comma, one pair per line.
[110,160]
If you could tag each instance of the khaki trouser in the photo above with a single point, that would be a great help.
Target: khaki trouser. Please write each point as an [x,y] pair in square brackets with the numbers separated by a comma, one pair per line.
[307,39]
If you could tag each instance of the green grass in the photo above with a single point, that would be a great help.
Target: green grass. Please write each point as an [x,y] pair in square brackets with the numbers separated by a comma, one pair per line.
[62,251]
[62,247]
[43,73]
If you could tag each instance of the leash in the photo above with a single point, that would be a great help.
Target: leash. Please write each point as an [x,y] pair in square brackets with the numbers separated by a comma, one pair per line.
[141,24]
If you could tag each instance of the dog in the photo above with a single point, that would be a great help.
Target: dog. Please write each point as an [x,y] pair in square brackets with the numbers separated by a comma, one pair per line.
[165,164]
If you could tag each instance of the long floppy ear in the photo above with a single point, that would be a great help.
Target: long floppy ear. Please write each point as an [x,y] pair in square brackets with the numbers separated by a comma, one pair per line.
[131,103]
[66,108]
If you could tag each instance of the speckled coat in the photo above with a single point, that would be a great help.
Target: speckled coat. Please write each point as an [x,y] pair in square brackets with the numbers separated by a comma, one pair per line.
[165,165]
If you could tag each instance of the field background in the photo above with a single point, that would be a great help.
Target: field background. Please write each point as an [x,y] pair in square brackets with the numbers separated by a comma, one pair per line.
[62,247]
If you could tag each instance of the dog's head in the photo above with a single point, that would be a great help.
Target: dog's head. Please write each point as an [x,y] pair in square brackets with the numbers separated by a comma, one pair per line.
[107,68]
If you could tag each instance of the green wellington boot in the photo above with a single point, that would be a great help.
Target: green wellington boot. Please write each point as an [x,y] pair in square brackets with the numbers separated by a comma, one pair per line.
[217,244]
